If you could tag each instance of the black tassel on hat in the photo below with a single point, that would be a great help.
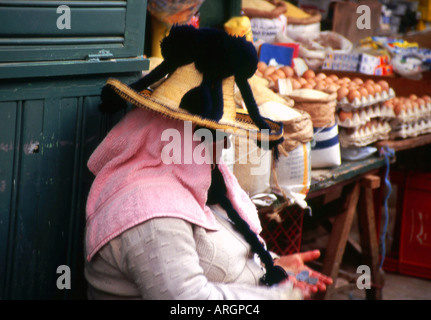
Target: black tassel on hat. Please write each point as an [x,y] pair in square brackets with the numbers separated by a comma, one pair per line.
[217,194]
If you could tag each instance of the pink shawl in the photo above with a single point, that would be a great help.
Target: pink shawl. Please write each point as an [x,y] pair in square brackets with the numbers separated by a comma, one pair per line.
[133,184]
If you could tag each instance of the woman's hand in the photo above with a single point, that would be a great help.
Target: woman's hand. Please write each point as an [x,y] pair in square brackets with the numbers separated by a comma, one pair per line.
[295,263]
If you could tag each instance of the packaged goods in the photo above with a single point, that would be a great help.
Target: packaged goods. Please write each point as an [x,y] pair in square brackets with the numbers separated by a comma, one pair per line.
[325,148]
[293,174]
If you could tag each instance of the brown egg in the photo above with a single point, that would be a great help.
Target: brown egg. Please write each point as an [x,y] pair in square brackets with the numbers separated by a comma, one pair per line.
[413,97]
[420,101]
[377,88]
[388,104]
[274,77]
[302,81]
[312,81]
[384,84]
[309,74]
[295,84]
[288,71]
[269,70]
[363,91]
[346,79]
[399,108]
[261,66]
[408,104]
[306,86]
[280,73]
[353,94]
[342,92]
[369,81]
[352,86]
[331,88]
[321,76]
[427,98]
[357,80]
[370,88]
[333,77]
[329,80]
[320,85]
[343,115]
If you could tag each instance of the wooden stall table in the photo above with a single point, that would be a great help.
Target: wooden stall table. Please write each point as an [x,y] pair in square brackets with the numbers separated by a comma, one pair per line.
[355,183]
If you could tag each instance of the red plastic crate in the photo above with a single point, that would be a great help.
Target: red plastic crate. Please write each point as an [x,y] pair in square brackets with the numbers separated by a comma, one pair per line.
[283,236]
[415,241]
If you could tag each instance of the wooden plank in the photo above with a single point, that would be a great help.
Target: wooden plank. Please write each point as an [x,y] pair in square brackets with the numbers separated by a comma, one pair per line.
[371,181]
[369,242]
[338,239]
[347,171]
[405,144]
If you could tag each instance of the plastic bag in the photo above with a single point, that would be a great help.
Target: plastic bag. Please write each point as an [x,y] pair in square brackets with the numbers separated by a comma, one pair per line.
[313,48]
[267,29]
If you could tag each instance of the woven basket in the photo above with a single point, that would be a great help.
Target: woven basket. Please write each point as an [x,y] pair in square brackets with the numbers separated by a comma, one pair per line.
[321,110]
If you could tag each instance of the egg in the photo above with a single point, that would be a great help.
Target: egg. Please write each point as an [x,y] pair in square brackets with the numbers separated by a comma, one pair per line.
[369,81]
[306,86]
[320,85]
[384,84]
[280,73]
[329,80]
[309,74]
[321,76]
[295,84]
[370,88]
[357,80]
[261,66]
[353,94]
[343,115]
[399,108]
[342,92]
[427,98]
[346,79]
[288,71]
[331,88]
[312,82]
[302,81]
[268,71]
[377,88]
[363,91]
[420,101]
[333,77]
[413,97]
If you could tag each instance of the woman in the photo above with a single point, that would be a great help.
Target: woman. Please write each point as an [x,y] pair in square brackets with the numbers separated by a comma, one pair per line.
[166,219]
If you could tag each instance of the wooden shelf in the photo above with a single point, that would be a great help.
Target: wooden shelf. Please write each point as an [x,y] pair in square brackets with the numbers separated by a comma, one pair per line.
[405,144]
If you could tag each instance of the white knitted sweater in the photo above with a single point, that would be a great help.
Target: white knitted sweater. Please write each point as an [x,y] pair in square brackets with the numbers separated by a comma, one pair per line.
[169,258]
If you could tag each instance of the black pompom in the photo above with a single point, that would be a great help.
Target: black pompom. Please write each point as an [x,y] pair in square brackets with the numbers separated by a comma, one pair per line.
[274,275]
[111,101]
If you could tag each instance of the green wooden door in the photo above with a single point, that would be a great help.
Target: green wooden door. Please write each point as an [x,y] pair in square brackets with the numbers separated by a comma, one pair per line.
[50,83]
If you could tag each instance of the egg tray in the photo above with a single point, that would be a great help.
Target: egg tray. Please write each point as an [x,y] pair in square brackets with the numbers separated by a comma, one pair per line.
[413,129]
[364,135]
[357,103]
[413,114]
[362,116]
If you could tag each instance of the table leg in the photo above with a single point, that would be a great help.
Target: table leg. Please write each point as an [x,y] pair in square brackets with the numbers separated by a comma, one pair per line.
[368,235]
[338,239]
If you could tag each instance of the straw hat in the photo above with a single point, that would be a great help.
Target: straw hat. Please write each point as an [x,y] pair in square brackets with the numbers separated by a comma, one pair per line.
[165,100]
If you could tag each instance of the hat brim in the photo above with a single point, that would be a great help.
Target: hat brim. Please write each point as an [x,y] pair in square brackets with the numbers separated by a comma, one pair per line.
[243,125]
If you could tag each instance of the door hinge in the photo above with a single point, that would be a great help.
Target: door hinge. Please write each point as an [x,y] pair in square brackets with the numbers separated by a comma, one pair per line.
[101,55]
